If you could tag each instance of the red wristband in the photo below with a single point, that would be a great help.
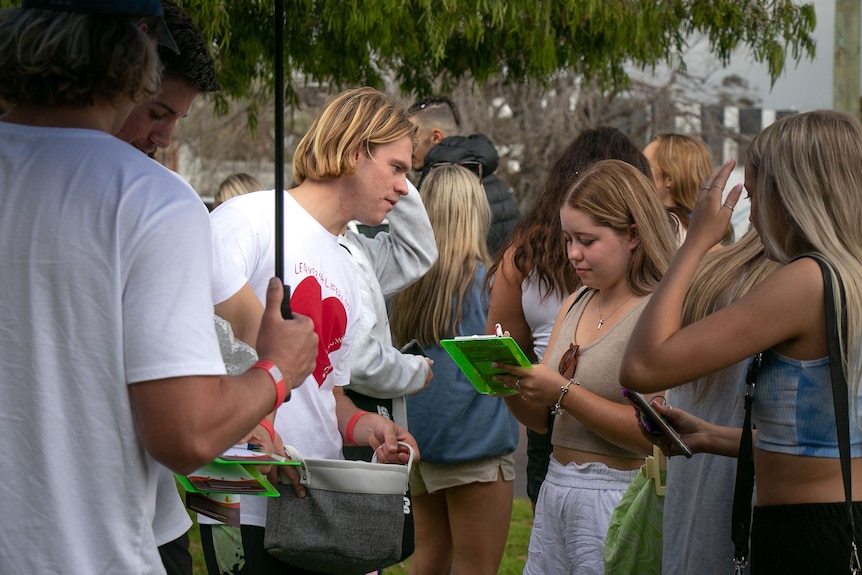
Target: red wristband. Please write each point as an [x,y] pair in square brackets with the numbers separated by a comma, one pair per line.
[267,425]
[280,387]
[348,432]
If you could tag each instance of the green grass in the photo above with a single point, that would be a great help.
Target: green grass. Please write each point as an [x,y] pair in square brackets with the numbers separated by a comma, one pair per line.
[513,560]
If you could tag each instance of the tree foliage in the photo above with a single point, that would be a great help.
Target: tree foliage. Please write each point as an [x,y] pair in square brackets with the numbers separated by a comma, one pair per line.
[425,45]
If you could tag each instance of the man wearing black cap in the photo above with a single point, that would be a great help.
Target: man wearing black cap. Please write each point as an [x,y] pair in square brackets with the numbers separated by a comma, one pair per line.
[108,357]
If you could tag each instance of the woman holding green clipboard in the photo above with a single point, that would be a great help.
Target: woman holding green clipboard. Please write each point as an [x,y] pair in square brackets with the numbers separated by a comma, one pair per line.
[462,489]
[620,241]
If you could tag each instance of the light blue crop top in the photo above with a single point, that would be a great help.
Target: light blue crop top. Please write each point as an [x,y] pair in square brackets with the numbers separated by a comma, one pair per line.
[793,409]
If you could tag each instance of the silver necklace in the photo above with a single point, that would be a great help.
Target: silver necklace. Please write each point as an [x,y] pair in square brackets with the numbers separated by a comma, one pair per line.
[601,318]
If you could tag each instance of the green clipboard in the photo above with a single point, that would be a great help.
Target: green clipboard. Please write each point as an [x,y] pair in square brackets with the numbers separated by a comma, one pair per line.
[475,354]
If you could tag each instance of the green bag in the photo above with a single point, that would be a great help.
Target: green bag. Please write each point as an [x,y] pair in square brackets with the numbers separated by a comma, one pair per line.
[633,544]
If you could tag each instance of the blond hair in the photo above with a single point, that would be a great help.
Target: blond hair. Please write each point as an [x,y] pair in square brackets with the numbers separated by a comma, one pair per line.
[685,161]
[809,176]
[236,185]
[52,58]
[361,118]
[722,277]
[616,194]
[460,216]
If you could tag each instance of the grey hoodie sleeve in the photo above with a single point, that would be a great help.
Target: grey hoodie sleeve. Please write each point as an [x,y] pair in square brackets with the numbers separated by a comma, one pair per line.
[377,368]
[402,255]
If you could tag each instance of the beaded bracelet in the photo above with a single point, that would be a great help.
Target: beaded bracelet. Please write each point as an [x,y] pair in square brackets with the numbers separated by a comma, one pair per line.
[564,389]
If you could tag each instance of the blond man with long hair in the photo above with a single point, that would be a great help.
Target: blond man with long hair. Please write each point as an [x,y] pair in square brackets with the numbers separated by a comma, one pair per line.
[803,174]
[462,489]
[351,164]
[620,240]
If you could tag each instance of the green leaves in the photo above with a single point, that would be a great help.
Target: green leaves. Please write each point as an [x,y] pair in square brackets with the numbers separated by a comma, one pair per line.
[422,44]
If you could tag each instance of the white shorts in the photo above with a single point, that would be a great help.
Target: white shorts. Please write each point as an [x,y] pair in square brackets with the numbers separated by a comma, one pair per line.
[572,517]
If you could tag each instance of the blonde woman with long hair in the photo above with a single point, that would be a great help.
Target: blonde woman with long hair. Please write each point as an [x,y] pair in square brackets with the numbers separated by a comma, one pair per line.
[462,489]
[620,240]
[803,174]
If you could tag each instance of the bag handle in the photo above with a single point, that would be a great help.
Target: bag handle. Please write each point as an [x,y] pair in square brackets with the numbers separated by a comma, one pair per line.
[293,453]
[409,463]
[655,464]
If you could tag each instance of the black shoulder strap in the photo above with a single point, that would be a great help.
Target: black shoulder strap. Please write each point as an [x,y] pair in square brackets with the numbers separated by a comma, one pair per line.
[584,291]
[740,529]
[840,394]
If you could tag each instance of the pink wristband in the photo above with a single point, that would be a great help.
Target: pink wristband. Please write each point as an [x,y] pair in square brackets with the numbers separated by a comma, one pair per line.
[277,379]
[267,425]
[348,432]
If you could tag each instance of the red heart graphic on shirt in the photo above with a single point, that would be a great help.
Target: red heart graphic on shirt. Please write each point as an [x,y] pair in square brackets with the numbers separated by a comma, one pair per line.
[330,321]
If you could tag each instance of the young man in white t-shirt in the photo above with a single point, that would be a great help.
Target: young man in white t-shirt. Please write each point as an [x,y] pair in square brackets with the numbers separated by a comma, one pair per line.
[352,164]
[108,356]
[149,126]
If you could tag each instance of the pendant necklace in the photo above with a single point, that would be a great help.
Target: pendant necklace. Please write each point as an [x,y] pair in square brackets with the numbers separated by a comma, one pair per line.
[601,318]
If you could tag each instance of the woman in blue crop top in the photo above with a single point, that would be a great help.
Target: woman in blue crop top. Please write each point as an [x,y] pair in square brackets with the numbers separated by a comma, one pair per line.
[804,175]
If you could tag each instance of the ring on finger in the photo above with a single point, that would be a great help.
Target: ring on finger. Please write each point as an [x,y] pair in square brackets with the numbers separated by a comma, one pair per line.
[518,384]
[727,206]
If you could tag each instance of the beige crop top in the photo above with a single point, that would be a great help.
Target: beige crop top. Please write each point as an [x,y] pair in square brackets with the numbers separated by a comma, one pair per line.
[598,371]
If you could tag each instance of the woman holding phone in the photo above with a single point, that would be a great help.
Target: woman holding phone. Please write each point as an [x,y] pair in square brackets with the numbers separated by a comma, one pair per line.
[803,175]
[620,241]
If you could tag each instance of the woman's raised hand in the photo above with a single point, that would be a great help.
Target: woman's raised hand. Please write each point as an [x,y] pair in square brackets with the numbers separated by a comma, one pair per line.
[711,216]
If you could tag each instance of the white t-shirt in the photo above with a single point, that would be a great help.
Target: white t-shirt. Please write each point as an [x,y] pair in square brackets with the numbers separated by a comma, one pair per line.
[171,519]
[540,313]
[323,287]
[227,278]
[105,281]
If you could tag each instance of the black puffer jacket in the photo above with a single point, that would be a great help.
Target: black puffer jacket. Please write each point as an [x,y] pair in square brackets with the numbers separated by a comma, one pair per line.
[478,148]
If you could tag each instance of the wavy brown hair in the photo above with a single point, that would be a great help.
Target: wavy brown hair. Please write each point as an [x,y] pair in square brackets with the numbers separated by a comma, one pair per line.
[538,242]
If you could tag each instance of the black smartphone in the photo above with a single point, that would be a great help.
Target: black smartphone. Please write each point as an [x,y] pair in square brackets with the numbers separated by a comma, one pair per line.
[413,347]
[653,421]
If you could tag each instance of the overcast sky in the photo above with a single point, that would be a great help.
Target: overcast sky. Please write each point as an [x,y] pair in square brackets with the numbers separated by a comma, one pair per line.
[805,86]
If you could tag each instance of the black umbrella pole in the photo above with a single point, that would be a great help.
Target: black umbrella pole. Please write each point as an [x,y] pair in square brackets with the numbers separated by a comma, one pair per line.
[279,155]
